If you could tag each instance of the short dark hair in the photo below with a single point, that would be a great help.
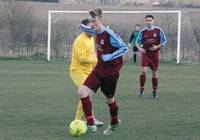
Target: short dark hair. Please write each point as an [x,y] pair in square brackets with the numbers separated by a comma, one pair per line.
[95,12]
[149,16]
[85,22]
[137,25]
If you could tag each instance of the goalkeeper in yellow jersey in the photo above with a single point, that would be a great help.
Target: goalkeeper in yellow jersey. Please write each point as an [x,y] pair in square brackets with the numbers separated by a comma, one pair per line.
[82,63]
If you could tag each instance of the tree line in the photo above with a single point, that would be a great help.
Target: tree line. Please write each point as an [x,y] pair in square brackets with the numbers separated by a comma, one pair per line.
[21,34]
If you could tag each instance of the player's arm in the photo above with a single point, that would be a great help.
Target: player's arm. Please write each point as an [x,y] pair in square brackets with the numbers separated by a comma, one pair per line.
[118,43]
[139,42]
[81,53]
[163,41]
[87,29]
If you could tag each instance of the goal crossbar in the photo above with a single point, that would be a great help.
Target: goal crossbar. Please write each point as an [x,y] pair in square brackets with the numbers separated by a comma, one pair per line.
[117,12]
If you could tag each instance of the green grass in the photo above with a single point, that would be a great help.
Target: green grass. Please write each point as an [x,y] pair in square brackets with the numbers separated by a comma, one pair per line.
[37,102]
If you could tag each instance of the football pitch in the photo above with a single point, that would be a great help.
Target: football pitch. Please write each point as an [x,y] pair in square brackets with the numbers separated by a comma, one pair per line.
[38,101]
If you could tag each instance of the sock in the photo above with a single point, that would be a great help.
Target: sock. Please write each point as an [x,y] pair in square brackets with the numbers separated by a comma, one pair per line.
[154,84]
[134,58]
[142,82]
[113,112]
[79,111]
[87,108]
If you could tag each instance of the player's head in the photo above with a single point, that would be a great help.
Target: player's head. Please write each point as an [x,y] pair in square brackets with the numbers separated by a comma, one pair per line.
[96,19]
[86,22]
[137,27]
[149,20]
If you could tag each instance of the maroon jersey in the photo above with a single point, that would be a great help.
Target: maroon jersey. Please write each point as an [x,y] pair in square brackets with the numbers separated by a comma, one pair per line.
[151,37]
[103,45]
[148,38]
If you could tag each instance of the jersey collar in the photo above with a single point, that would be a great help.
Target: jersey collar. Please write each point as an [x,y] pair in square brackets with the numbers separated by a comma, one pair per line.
[149,29]
[103,28]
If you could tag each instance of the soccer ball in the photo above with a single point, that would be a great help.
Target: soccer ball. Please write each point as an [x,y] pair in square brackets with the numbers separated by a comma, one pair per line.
[77,128]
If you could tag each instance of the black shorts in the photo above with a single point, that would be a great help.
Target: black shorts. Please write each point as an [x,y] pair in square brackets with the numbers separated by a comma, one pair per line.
[107,84]
[135,49]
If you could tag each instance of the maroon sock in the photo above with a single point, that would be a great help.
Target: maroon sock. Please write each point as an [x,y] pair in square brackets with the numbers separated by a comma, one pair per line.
[87,108]
[113,112]
[142,82]
[154,84]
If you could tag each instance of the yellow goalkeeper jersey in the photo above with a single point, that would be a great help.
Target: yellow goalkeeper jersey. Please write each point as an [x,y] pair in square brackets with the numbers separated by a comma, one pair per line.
[83,54]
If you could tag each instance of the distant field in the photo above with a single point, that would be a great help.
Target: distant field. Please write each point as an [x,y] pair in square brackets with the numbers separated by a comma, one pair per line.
[124,27]
[37,102]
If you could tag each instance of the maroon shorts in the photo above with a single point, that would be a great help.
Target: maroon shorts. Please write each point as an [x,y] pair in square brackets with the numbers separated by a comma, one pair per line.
[107,84]
[150,60]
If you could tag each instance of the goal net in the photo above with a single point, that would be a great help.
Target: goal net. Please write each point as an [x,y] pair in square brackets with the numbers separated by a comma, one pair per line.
[182,46]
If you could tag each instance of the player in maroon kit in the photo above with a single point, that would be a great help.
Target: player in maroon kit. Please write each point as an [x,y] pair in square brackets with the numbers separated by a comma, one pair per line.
[110,49]
[149,42]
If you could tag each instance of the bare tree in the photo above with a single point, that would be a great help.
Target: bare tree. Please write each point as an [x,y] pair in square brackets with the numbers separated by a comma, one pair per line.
[19,20]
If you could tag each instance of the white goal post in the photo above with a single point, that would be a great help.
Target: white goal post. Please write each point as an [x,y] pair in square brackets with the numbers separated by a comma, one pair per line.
[117,12]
